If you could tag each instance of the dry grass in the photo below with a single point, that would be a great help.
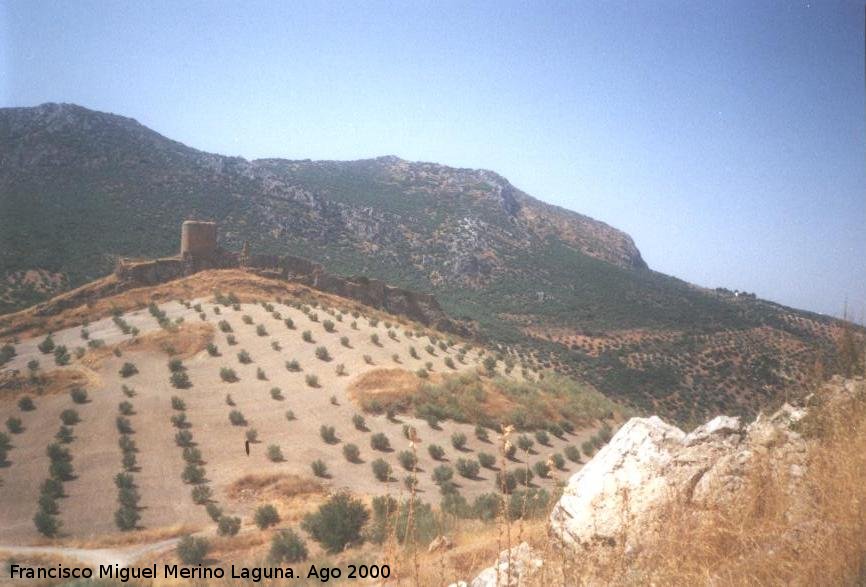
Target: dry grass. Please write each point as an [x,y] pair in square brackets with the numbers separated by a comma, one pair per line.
[293,496]
[55,382]
[100,298]
[779,529]
[256,487]
[387,386]
[121,539]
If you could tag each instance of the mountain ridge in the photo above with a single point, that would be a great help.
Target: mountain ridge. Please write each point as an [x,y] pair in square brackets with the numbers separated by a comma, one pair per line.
[91,187]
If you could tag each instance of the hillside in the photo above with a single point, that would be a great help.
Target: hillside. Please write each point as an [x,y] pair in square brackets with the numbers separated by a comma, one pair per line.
[167,391]
[80,188]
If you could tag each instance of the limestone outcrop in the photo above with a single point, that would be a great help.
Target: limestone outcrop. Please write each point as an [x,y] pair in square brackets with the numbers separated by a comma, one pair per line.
[520,565]
[617,498]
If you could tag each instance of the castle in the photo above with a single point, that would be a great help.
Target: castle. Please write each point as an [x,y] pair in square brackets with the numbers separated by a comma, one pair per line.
[199,251]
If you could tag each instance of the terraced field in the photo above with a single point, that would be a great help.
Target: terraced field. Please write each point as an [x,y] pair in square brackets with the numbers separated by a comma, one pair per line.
[167,397]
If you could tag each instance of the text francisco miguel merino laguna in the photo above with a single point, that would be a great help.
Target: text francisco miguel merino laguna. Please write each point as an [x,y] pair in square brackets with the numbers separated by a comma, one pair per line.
[173,571]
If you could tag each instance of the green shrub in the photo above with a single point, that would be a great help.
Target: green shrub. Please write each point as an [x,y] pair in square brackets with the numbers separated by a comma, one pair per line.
[128,370]
[312,380]
[322,354]
[307,336]
[277,393]
[231,340]
[192,550]
[489,364]
[275,344]
[244,357]
[487,506]
[468,468]
[482,434]
[422,373]
[290,324]
[192,455]
[541,469]
[183,438]
[588,448]
[381,470]
[260,374]
[359,422]
[48,504]
[290,415]
[320,469]
[229,400]
[261,330]
[124,426]
[201,494]
[125,408]
[458,440]
[328,434]
[486,460]
[175,365]
[228,375]
[413,353]
[525,443]
[252,435]
[247,319]
[442,474]
[506,481]
[224,326]
[266,516]
[523,475]
[237,418]
[542,437]
[177,403]
[46,524]
[351,452]
[558,461]
[338,523]
[408,460]
[287,547]
[380,442]
[70,417]
[47,345]
[436,452]
[213,511]
[61,470]
[228,525]
[192,474]
[25,404]
[328,325]
[179,420]
[64,435]
[572,453]
[341,370]
[126,443]
[180,380]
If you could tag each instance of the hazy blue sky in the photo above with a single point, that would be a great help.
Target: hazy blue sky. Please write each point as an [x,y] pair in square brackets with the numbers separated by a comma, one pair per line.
[726,137]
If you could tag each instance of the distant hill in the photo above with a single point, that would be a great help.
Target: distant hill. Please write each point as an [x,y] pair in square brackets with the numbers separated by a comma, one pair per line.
[80,188]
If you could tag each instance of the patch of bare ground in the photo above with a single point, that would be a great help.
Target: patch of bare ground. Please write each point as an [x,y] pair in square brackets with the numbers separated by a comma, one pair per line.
[183,341]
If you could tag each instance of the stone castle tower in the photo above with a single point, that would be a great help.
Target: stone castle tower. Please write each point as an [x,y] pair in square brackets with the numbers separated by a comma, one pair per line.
[198,240]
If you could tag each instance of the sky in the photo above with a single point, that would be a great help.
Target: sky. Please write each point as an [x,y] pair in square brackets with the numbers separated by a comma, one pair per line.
[727,138]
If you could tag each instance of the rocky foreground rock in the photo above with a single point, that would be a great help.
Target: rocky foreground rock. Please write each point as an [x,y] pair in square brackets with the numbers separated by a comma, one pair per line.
[618,501]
